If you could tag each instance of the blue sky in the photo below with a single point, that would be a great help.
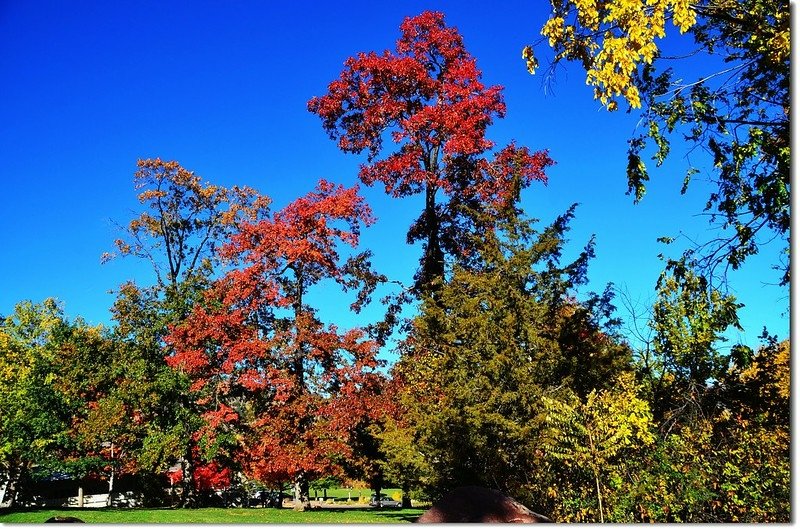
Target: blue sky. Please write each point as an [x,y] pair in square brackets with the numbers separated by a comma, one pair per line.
[90,87]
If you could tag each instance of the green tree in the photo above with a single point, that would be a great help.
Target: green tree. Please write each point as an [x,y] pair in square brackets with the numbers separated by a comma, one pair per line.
[402,461]
[478,360]
[737,109]
[689,319]
[34,416]
[127,402]
[84,374]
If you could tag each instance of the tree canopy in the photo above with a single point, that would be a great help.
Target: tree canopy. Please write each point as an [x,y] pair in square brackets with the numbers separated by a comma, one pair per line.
[736,111]
[427,96]
[223,373]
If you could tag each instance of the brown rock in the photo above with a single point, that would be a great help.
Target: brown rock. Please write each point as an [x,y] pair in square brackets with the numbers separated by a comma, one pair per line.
[481,505]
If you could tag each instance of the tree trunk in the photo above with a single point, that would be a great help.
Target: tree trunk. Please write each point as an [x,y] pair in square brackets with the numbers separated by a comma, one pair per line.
[599,496]
[406,495]
[596,478]
[9,496]
[301,485]
[110,500]
[433,260]
[301,499]
[188,497]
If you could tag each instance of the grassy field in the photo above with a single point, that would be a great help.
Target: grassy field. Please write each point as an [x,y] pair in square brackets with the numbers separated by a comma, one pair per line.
[340,494]
[217,516]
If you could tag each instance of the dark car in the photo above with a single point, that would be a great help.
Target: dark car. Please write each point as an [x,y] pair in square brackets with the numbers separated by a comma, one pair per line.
[383,501]
[268,498]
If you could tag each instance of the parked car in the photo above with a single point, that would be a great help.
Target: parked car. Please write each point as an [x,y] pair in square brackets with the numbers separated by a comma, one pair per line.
[383,501]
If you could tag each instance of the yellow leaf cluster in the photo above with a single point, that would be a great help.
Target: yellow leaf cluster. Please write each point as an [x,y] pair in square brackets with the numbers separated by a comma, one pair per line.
[772,369]
[13,363]
[613,38]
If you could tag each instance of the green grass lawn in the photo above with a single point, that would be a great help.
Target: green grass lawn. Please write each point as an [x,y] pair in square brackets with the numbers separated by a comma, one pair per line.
[340,494]
[217,516]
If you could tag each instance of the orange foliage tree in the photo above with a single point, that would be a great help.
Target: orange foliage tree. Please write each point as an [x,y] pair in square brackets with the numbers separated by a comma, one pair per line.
[265,369]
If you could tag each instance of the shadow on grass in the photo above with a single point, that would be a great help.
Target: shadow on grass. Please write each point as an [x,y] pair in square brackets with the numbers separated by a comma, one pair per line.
[390,515]
[405,515]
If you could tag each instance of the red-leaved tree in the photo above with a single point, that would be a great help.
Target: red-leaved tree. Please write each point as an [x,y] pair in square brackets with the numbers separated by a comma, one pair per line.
[427,94]
[286,390]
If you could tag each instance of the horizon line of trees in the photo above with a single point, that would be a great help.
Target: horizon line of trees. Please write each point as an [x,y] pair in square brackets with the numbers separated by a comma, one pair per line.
[506,376]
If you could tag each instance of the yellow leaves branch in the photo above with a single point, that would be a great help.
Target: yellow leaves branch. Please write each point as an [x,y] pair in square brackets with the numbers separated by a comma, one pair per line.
[612,39]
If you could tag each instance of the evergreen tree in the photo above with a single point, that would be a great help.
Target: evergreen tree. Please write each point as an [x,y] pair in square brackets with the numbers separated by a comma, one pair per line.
[505,332]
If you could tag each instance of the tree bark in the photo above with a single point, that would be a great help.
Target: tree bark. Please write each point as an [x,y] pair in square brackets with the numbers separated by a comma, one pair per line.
[188,497]
[433,259]
[10,492]
[110,500]
[301,499]
[596,478]
[406,495]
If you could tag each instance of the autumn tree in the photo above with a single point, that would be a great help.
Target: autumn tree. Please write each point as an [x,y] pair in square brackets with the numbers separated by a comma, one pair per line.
[593,442]
[720,414]
[265,370]
[427,95]
[730,463]
[736,110]
[184,222]
[754,464]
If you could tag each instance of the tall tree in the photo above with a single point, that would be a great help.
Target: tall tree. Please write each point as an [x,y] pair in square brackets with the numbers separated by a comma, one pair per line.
[428,95]
[737,110]
[34,415]
[183,223]
[478,361]
[262,364]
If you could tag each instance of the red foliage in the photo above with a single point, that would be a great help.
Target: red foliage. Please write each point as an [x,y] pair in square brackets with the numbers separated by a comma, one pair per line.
[429,96]
[175,476]
[211,476]
[256,336]
[428,92]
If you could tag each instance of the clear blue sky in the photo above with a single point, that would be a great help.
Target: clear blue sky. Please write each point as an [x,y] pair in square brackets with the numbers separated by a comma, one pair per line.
[90,87]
